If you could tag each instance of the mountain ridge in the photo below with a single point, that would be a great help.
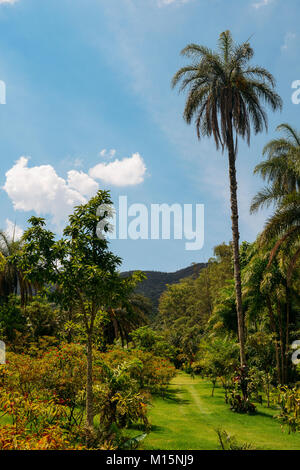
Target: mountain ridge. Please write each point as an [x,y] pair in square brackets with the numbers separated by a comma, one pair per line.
[156,281]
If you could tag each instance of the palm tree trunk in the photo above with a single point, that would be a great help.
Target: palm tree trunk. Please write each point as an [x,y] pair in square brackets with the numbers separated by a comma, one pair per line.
[287,339]
[273,327]
[282,345]
[235,246]
[89,392]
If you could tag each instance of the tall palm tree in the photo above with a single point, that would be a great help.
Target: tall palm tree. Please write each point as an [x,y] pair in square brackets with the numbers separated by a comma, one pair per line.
[284,226]
[281,169]
[225,96]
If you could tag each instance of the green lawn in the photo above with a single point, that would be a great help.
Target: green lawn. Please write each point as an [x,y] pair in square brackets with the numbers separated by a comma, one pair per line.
[188,419]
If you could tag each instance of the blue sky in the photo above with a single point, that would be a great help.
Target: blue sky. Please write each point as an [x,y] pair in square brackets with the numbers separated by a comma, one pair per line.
[87,75]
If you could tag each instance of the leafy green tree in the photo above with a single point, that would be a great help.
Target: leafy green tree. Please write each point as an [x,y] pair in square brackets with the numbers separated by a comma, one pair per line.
[185,308]
[81,270]
[193,299]
[119,322]
[225,96]
[281,169]
[261,352]
[223,318]
[146,339]
[271,302]
[12,280]
[42,318]
[218,358]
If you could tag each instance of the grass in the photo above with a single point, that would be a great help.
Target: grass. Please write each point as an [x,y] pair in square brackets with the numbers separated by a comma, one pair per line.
[187,418]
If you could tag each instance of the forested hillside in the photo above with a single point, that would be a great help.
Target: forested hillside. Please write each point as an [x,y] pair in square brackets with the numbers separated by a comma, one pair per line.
[156,281]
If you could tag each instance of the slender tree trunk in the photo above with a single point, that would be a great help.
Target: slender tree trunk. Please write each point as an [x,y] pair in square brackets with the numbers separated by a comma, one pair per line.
[214,386]
[235,246]
[273,327]
[268,390]
[282,342]
[287,339]
[89,392]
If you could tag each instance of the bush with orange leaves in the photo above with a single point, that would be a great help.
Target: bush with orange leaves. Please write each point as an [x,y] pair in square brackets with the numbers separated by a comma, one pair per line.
[42,396]
[34,423]
[51,438]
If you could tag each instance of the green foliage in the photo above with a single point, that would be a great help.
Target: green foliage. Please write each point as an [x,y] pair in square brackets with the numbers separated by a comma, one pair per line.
[228,442]
[289,402]
[239,398]
[12,281]
[218,358]
[146,339]
[79,272]
[216,81]
[116,324]
[42,318]
[12,318]
[155,283]
[46,394]
[118,398]
[272,307]
[79,267]
[223,318]
[185,308]
[152,373]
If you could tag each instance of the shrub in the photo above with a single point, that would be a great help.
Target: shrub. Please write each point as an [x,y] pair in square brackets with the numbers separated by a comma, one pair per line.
[228,442]
[44,396]
[289,402]
[153,374]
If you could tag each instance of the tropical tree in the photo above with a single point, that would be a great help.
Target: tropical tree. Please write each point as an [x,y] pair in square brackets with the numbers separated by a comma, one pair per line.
[225,98]
[121,321]
[272,303]
[81,271]
[218,358]
[12,281]
[281,169]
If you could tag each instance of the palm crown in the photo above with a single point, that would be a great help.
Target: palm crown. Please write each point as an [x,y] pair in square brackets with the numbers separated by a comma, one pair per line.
[224,88]
[281,168]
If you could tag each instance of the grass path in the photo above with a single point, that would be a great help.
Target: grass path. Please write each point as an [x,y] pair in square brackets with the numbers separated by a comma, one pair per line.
[188,416]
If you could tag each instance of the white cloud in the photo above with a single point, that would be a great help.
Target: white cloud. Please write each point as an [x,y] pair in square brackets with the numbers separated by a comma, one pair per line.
[162,3]
[289,41]
[8,1]
[262,3]
[108,154]
[82,183]
[78,162]
[126,172]
[12,230]
[41,190]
